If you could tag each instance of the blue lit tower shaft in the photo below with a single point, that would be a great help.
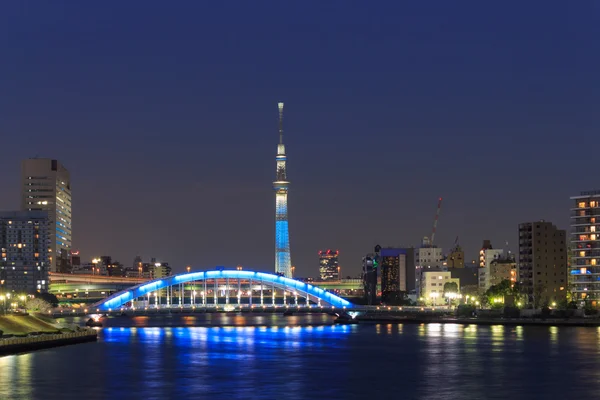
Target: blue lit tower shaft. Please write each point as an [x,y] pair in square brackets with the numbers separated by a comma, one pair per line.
[283,261]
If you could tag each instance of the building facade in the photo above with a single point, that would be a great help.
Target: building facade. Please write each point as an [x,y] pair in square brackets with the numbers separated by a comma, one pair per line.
[397,273]
[429,257]
[283,261]
[370,266]
[456,258]
[542,266]
[25,241]
[46,186]
[584,266]
[487,255]
[432,286]
[502,269]
[329,267]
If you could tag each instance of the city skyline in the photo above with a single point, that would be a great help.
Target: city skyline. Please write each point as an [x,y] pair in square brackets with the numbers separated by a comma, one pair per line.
[371,155]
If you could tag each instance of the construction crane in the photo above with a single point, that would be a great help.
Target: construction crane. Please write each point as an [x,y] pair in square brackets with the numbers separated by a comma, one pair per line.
[435,221]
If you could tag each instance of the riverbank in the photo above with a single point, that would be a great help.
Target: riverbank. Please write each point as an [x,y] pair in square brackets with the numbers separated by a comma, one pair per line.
[23,325]
[17,345]
[479,321]
[23,333]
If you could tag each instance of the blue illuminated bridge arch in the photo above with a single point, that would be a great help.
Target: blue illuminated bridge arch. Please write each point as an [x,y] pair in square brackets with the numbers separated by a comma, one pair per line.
[254,284]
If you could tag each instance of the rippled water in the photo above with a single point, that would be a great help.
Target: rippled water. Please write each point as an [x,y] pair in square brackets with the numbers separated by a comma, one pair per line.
[404,361]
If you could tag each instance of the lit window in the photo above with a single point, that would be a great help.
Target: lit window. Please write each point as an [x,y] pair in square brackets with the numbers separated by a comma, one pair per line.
[593,204]
[592,229]
[582,204]
[593,261]
[582,254]
[593,220]
[593,236]
[582,270]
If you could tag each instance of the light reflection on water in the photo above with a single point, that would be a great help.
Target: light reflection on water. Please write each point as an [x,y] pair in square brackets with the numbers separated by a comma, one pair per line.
[418,361]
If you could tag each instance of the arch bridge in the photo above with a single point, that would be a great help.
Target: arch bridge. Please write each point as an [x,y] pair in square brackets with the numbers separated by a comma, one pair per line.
[221,288]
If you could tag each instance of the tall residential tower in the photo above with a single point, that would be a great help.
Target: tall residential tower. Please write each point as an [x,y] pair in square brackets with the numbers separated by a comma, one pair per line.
[46,186]
[584,271]
[283,263]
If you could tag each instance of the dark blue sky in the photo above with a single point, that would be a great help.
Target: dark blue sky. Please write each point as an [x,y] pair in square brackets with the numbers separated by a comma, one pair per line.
[165,113]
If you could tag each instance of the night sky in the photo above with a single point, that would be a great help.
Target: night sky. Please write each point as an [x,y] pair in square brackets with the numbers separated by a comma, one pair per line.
[166,115]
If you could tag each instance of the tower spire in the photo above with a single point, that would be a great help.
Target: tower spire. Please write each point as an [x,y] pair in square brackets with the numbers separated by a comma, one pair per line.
[283,263]
[280,105]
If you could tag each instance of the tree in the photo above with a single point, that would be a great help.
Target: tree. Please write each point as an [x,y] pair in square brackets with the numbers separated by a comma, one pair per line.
[37,305]
[501,290]
[450,287]
[48,297]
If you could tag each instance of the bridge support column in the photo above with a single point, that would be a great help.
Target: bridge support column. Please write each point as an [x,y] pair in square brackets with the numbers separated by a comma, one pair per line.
[216,293]
[227,291]
[273,293]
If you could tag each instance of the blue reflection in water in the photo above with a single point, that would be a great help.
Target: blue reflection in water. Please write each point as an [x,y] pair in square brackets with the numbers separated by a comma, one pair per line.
[427,361]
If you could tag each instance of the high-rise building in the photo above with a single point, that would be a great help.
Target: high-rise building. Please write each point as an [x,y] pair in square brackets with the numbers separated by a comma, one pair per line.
[370,265]
[397,273]
[329,267]
[283,261]
[487,254]
[542,268]
[25,242]
[46,186]
[585,246]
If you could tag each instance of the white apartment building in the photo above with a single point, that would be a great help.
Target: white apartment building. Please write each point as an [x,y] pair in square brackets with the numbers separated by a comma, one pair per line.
[432,286]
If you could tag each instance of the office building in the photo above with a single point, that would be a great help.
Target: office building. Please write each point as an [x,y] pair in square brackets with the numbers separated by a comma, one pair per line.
[542,267]
[487,254]
[329,267]
[397,267]
[585,247]
[25,241]
[46,186]
[432,286]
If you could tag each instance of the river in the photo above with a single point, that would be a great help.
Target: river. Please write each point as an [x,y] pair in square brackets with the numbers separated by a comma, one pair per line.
[316,360]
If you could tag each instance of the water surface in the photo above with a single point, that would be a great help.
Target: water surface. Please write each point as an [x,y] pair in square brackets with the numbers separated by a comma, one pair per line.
[405,361]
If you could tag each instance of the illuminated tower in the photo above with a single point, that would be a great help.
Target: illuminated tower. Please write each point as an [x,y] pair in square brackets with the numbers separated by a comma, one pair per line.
[283,263]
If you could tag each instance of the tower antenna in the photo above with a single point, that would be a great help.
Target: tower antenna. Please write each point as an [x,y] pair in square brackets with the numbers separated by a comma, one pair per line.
[435,221]
[280,105]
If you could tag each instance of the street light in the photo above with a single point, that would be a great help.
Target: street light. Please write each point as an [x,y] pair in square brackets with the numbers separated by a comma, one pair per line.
[293,269]
[95,261]
[188,268]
